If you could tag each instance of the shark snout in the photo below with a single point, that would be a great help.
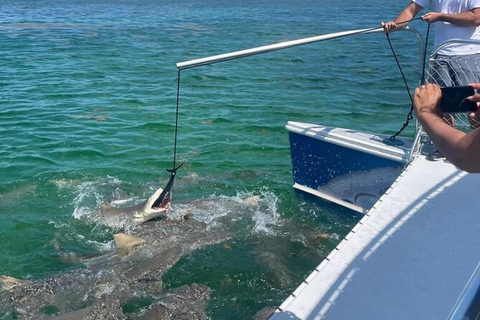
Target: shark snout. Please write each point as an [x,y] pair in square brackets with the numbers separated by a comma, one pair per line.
[157,205]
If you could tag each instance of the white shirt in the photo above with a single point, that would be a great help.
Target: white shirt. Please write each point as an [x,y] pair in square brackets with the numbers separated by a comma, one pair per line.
[445,31]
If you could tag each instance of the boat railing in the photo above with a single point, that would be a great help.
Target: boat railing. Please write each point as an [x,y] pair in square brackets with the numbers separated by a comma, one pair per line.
[450,42]
[455,70]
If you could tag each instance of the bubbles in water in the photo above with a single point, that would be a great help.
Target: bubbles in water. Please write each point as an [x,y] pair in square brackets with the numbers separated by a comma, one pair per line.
[256,212]
[87,196]
[266,216]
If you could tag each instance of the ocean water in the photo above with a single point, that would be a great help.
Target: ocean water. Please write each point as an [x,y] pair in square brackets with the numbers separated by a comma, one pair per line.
[87,115]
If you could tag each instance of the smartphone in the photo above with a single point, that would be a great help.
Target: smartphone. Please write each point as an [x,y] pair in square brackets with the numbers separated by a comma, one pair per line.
[453,99]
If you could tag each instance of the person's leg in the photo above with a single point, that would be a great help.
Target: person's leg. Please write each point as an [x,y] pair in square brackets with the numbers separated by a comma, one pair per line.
[466,69]
[440,71]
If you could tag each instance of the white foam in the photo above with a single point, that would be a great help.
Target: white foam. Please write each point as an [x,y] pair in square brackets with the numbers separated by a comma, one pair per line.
[101,246]
[266,214]
[85,200]
[89,197]
[260,210]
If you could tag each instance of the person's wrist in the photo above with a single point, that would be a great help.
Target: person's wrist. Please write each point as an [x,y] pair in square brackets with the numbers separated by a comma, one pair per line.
[429,114]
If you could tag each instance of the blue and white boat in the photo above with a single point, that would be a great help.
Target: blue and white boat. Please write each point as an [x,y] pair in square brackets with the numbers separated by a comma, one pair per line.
[415,253]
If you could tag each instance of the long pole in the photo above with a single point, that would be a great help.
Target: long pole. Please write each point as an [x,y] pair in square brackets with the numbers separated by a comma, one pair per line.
[269,48]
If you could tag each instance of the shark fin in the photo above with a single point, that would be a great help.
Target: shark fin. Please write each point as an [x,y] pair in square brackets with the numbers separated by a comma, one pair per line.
[123,240]
[7,283]
[106,206]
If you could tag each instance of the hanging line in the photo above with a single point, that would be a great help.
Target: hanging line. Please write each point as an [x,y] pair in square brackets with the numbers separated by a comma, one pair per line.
[422,80]
[174,168]
[163,201]
[165,196]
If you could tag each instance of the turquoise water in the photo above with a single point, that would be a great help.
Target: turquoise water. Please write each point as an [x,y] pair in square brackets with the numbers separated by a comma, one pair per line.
[87,111]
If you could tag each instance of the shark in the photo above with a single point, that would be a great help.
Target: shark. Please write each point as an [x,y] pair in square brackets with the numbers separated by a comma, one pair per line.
[105,283]
[101,284]
[156,206]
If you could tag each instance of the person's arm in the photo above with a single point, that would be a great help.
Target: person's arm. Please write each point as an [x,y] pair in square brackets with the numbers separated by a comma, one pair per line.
[464,19]
[406,15]
[461,149]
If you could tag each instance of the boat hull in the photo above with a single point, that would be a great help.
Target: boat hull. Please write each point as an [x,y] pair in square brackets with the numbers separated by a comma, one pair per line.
[347,167]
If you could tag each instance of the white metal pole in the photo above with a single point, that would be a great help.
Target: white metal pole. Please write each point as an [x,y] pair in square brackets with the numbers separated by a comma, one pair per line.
[269,48]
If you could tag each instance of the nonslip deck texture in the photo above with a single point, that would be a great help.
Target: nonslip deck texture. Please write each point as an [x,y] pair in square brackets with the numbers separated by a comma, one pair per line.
[409,258]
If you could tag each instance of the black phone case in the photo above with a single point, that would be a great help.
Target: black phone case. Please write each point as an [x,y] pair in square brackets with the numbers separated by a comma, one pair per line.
[453,99]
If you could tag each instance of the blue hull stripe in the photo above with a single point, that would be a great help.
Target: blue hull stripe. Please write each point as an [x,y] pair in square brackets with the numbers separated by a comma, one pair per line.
[316,162]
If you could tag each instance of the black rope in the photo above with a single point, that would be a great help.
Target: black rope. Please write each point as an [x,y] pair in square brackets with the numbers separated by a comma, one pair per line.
[176,126]
[165,197]
[422,80]
[399,67]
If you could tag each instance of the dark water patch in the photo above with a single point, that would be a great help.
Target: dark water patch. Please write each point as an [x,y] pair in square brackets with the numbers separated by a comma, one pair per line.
[10,315]
[136,305]
[264,129]
[204,78]
[248,276]
[49,310]
[151,127]
[215,121]
[37,265]
[77,153]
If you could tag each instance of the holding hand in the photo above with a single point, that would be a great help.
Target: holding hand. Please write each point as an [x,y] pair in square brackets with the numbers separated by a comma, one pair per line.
[389,26]
[432,17]
[427,100]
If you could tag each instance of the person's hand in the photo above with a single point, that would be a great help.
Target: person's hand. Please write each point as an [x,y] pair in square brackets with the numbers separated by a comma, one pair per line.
[431,17]
[389,26]
[474,117]
[427,100]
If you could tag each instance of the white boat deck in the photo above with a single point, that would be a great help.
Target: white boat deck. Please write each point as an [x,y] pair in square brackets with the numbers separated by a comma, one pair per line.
[410,257]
